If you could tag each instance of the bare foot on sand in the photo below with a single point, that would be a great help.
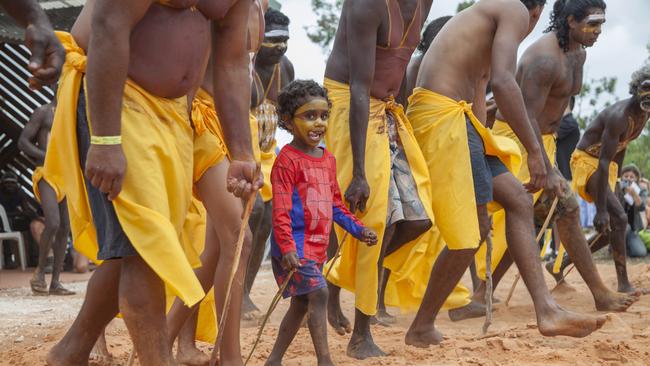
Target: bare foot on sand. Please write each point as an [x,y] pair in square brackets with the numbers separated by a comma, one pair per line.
[627,288]
[616,301]
[362,347]
[191,356]
[567,323]
[469,311]
[423,337]
[100,353]
[383,318]
[59,357]
[337,320]
[249,311]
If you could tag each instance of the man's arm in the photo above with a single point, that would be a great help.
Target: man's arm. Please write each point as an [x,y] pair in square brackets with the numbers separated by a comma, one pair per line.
[232,90]
[29,134]
[512,26]
[47,53]
[363,20]
[108,64]
[612,131]
[536,84]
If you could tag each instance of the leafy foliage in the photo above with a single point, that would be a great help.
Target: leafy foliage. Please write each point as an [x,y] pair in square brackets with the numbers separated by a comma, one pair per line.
[464,5]
[328,13]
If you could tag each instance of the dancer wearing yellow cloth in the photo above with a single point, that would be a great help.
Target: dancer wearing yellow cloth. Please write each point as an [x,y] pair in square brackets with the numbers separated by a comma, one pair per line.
[468,163]
[499,243]
[547,88]
[379,164]
[138,165]
[594,166]
[224,213]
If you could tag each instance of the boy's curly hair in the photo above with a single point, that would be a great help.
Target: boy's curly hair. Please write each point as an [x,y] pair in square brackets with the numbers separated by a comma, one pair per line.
[294,95]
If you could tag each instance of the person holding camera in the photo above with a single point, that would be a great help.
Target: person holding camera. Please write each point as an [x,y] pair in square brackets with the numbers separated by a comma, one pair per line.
[633,199]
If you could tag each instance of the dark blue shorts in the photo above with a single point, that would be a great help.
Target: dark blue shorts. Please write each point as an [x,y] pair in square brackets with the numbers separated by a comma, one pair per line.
[308,278]
[484,167]
[111,239]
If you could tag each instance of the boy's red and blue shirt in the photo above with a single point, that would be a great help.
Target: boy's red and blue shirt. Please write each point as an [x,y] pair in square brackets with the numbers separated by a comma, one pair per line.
[306,199]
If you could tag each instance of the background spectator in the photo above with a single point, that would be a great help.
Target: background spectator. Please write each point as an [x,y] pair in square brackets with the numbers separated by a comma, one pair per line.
[633,199]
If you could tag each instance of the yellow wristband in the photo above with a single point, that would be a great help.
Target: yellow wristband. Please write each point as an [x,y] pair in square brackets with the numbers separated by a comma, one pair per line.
[106,140]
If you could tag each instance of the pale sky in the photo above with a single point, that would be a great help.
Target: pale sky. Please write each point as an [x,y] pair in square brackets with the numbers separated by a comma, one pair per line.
[620,50]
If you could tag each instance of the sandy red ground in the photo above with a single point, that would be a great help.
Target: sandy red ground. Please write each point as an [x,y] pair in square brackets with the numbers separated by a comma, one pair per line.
[31,325]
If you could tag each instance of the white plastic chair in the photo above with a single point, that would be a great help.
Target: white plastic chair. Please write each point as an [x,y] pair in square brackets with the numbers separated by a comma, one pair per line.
[16,236]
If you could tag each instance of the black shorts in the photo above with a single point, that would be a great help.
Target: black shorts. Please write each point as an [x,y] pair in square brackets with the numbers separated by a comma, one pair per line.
[484,167]
[113,242]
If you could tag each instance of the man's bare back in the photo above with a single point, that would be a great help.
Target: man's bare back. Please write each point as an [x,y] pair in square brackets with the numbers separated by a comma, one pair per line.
[338,67]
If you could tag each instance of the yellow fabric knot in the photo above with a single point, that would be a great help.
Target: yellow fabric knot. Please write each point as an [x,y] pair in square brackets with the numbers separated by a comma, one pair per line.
[199,111]
[75,56]
[467,107]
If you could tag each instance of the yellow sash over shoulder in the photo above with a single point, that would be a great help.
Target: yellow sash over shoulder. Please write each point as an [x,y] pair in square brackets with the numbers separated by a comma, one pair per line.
[499,242]
[157,188]
[38,175]
[440,129]
[356,271]
[583,166]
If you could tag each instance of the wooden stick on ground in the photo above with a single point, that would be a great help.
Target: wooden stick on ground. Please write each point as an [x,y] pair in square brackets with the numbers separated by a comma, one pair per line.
[573,265]
[488,284]
[337,256]
[274,303]
[537,239]
[231,277]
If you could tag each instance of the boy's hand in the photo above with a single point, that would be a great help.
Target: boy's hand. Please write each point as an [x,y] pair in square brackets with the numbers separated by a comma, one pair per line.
[369,237]
[290,261]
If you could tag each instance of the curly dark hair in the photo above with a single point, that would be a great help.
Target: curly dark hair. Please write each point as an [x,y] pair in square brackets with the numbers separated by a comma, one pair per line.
[431,31]
[273,16]
[562,9]
[531,4]
[294,95]
[638,77]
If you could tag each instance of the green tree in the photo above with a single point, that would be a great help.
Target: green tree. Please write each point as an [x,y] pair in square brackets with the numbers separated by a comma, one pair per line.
[327,13]
[464,5]
[595,95]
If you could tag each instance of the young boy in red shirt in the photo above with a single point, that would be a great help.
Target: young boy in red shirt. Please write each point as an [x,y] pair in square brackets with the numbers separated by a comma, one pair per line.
[306,199]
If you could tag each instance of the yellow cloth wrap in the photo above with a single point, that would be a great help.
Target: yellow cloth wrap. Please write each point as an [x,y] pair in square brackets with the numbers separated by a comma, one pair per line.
[209,148]
[440,129]
[156,191]
[583,166]
[499,242]
[268,158]
[193,240]
[356,270]
[39,173]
